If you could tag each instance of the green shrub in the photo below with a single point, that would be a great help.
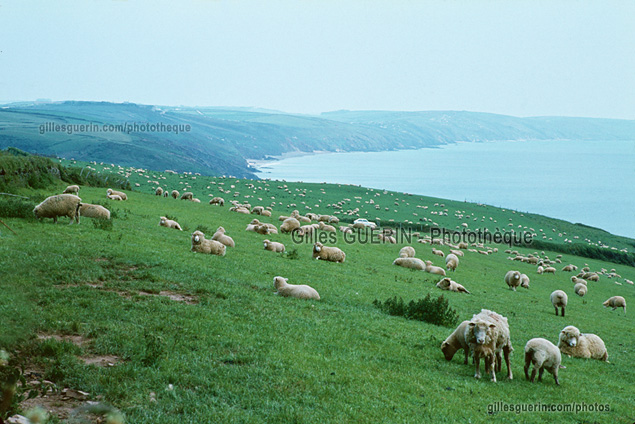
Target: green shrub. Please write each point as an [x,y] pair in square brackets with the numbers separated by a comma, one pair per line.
[435,311]
[15,207]
[103,224]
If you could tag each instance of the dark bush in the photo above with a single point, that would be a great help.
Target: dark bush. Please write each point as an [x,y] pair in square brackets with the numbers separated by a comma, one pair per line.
[435,311]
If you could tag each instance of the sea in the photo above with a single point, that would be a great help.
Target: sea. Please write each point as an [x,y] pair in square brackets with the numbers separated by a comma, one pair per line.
[590,182]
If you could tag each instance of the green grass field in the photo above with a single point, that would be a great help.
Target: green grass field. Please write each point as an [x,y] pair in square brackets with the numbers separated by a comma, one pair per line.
[235,352]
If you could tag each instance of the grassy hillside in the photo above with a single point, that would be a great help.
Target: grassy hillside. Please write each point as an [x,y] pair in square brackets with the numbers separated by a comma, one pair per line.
[200,338]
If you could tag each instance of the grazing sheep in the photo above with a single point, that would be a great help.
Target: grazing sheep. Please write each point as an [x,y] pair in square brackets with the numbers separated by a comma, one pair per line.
[448,284]
[462,245]
[165,193]
[451,262]
[512,278]
[71,189]
[568,268]
[549,270]
[220,236]
[291,290]
[559,299]
[545,356]
[273,246]
[201,245]
[407,252]
[437,252]
[257,210]
[289,225]
[175,194]
[169,223]
[434,269]
[412,263]
[524,281]
[455,342]
[580,289]
[59,205]
[487,334]
[615,302]
[540,270]
[93,211]
[582,345]
[217,201]
[332,254]
[188,195]
[158,191]
[111,192]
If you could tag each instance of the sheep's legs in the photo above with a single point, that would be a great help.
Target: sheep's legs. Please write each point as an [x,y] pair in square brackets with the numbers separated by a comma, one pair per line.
[555,375]
[506,352]
[467,353]
[542,370]
[563,311]
[556,310]
[527,362]
[477,363]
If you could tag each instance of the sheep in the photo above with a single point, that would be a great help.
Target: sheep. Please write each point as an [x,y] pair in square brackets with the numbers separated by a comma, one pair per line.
[567,268]
[524,281]
[386,239]
[111,192]
[220,236]
[158,191]
[462,245]
[559,299]
[257,210]
[434,269]
[325,227]
[165,193]
[448,284]
[201,245]
[455,342]
[457,252]
[188,195]
[580,289]
[169,223]
[175,194]
[540,270]
[273,246]
[412,263]
[549,269]
[512,278]
[344,229]
[291,290]
[195,200]
[451,261]
[71,189]
[581,345]
[487,334]
[545,356]
[114,197]
[59,205]
[616,302]
[437,252]
[407,252]
[289,225]
[217,201]
[94,211]
[332,254]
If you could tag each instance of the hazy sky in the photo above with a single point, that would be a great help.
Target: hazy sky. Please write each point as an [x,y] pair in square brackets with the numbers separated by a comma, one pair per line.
[523,58]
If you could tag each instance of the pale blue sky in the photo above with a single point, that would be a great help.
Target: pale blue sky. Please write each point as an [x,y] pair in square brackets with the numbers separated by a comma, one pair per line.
[523,58]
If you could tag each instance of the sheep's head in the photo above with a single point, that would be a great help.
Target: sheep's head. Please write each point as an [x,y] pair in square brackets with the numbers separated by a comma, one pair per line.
[220,230]
[266,242]
[570,335]
[317,247]
[448,350]
[197,237]
[162,220]
[444,283]
[480,330]
[279,282]
[109,191]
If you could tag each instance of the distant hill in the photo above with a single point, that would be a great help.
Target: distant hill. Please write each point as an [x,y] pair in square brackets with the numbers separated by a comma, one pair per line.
[220,140]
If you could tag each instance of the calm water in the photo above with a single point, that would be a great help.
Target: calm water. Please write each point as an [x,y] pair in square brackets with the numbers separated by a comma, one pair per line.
[592,182]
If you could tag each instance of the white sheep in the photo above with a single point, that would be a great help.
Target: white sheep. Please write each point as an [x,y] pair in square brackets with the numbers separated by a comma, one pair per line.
[291,290]
[71,189]
[581,345]
[169,223]
[540,270]
[114,197]
[457,252]
[201,245]
[407,252]
[451,262]
[434,269]
[220,236]
[326,227]
[512,279]
[273,246]
[544,355]
[188,195]
[559,299]
[438,252]
[59,205]
[94,211]
[580,289]
[111,192]
[455,342]
[412,263]
[332,254]
[175,194]
[488,335]
[450,285]
[615,302]
[217,201]
[524,281]
[158,191]
[549,270]
[289,225]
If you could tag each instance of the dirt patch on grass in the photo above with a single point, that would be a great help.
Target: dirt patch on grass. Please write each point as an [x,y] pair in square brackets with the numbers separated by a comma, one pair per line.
[76,340]
[177,297]
[101,360]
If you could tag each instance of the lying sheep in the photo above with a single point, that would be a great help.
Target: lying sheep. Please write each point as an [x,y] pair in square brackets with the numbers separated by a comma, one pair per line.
[71,189]
[448,284]
[114,197]
[487,334]
[188,195]
[59,205]
[545,356]
[217,201]
[559,299]
[580,289]
[175,194]
[451,262]
[94,211]
[289,225]
[332,254]
[512,278]
[158,191]
[455,342]
[434,269]
[577,280]
[169,223]
[437,252]
[524,281]
[291,290]
[111,192]
[407,252]
[615,302]
[220,236]
[195,200]
[412,263]
[582,345]
[457,252]
[462,245]
[326,227]
[273,246]
[201,245]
